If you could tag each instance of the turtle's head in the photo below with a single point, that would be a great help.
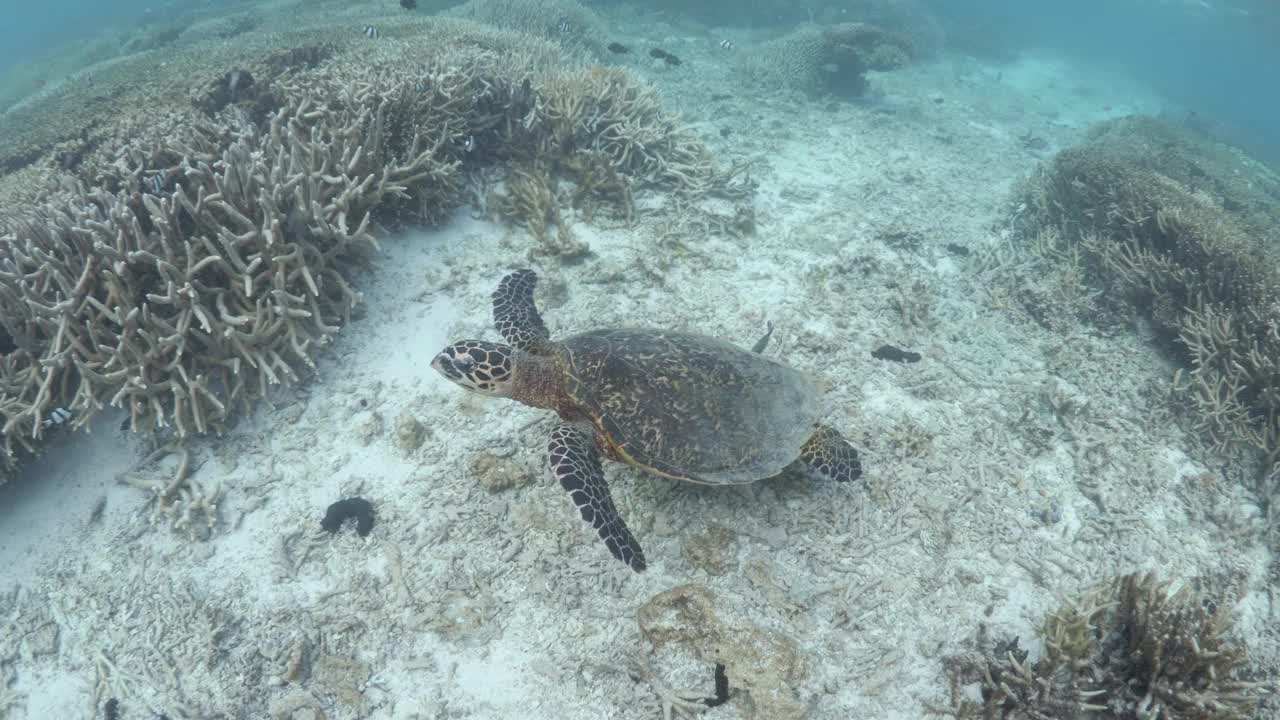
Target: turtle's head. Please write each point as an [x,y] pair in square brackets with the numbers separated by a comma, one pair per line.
[484,367]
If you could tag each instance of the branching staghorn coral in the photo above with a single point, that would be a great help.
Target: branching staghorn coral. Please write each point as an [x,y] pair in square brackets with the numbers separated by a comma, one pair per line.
[605,110]
[183,272]
[1186,230]
[1130,648]
[216,279]
[599,181]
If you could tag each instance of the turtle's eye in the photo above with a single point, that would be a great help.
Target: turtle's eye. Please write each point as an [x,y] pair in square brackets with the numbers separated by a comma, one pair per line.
[464,363]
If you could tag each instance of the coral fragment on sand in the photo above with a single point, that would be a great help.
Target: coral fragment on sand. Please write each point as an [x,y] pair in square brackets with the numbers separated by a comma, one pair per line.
[764,664]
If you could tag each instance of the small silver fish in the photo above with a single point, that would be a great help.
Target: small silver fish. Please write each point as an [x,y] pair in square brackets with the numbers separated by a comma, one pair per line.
[470,144]
[726,44]
[371,32]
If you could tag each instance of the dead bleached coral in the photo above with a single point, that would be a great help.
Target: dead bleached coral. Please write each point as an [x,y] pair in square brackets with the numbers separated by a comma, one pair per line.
[15,617]
[185,504]
[531,201]
[1131,648]
[822,60]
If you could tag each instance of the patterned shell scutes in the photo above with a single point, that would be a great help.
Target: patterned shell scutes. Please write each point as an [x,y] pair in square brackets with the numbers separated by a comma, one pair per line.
[690,406]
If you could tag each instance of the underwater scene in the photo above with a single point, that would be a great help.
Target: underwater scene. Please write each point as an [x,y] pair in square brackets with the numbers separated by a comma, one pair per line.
[640,360]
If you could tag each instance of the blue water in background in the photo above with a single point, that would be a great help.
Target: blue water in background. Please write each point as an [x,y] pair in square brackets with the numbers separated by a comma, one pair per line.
[32,30]
[1225,67]
[1222,65]
[29,29]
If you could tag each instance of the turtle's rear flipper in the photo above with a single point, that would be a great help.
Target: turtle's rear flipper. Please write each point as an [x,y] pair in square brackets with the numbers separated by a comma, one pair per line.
[515,314]
[574,461]
[829,455]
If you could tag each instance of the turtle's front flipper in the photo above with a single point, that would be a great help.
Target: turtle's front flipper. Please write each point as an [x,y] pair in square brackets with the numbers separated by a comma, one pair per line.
[575,462]
[515,314]
[828,454]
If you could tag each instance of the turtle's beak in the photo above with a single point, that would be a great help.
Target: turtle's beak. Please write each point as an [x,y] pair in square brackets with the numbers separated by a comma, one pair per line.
[443,364]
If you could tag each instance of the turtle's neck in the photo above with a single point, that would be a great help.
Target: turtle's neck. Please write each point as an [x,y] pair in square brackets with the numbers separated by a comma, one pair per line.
[539,382]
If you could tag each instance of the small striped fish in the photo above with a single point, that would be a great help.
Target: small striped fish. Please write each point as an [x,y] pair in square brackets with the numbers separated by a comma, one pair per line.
[726,44]
[57,417]
[371,32]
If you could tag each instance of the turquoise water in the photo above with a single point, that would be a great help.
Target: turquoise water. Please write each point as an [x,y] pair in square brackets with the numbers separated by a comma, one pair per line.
[1217,58]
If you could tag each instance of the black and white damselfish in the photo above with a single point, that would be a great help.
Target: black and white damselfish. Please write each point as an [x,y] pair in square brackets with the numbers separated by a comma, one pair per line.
[58,416]
[371,32]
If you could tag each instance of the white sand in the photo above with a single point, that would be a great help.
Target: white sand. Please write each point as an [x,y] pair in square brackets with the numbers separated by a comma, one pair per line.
[467,602]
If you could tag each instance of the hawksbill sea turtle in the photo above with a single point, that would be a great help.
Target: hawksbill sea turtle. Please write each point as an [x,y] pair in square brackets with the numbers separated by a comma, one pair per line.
[679,405]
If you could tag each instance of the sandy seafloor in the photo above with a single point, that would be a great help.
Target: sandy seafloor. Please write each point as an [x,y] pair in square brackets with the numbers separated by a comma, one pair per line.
[479,594]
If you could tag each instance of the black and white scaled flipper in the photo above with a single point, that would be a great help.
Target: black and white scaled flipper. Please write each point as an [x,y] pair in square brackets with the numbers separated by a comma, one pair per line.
[574,460]
[516,316]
